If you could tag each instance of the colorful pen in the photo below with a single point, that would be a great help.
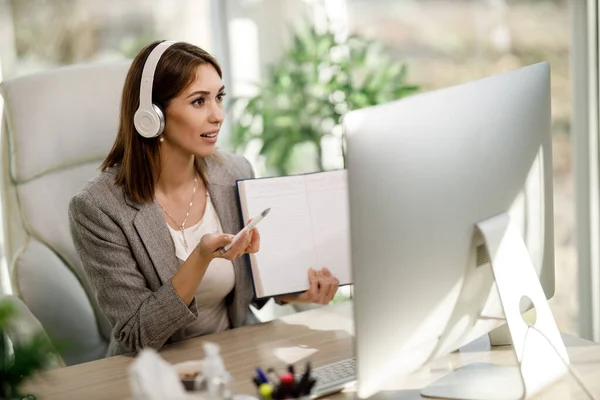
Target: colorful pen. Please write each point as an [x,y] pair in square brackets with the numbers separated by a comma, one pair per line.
[304,386]
[266,391]
[287,379]
[261,375]
[287,384]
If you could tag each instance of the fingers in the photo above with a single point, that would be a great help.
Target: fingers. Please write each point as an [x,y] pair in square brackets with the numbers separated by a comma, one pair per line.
[240,246]
[254,245]
[332,285]
[313,286]
[211,243]
[237,249]
[323,287]
[215,241]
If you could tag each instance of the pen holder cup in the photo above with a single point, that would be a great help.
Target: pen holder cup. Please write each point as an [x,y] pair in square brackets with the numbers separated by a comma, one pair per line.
[190,374]
[292,384]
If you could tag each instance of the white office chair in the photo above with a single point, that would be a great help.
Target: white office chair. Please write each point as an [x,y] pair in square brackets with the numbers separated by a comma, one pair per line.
[25,326]
[58,127]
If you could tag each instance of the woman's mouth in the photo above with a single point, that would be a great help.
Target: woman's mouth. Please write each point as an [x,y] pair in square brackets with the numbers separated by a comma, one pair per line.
[210,137]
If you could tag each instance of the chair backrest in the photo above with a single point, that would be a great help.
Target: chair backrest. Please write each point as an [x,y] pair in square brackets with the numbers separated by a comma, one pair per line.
[58,127]
[25,327]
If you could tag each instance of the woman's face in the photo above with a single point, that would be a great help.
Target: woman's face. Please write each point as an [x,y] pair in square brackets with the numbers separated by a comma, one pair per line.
[194,117]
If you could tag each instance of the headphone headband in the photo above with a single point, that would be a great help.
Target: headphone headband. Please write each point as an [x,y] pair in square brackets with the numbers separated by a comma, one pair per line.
[148,119]
[148,73]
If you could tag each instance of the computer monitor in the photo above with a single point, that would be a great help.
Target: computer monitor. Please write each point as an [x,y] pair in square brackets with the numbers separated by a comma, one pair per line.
[423,172]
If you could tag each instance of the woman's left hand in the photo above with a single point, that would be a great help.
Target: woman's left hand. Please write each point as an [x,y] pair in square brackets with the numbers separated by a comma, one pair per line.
[322,289]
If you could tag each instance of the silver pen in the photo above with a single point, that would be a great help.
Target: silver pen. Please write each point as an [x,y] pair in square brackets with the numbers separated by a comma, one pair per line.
[251,225]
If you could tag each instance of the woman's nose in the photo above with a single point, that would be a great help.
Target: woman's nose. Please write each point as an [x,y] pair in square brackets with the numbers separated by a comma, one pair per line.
[217,113]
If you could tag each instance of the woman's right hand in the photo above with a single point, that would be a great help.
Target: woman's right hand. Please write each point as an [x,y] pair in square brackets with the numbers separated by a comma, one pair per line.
[210,246]
[190,274]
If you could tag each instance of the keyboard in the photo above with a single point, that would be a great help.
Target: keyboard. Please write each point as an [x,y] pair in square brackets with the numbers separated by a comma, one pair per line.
[334,377]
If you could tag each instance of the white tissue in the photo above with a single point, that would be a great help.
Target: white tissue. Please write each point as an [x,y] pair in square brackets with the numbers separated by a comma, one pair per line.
[152,378]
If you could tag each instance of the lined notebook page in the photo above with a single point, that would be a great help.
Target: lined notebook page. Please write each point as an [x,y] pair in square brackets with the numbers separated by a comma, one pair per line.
[328,204]
[307,227]
[286,242]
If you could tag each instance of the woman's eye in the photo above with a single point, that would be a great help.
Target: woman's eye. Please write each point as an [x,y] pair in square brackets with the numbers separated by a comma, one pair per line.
[199,101]
[220,96]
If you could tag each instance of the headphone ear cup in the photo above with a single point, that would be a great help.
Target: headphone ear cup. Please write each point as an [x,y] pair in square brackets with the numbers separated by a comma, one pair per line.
[146,122]
[149,122]
[161,118]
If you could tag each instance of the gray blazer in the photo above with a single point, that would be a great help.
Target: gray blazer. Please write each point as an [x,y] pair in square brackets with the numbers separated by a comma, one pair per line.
[129,258]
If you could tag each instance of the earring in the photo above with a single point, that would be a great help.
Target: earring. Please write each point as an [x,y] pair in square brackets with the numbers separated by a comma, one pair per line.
[161,139]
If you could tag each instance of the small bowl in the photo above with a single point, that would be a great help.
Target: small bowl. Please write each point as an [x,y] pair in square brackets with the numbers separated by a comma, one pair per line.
[188,371]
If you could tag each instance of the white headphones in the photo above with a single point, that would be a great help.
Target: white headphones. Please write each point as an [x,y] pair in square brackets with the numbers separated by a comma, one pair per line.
[149,119]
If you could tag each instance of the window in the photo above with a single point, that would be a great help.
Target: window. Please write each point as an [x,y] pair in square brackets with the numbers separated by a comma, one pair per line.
[447,43]
[47,34]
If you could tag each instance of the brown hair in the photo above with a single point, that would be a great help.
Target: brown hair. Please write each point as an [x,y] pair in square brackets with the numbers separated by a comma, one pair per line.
[138,158]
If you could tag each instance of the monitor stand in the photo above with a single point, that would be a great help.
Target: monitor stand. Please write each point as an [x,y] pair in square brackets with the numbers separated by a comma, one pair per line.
[541,355]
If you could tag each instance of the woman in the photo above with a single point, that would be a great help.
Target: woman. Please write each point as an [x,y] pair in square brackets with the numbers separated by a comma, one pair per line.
[149,252]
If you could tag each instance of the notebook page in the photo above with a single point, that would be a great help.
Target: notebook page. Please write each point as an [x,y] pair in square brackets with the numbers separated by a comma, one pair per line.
[286,245]
[328,200]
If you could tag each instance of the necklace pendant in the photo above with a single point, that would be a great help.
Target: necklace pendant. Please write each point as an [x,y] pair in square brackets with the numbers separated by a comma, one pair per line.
[185,245]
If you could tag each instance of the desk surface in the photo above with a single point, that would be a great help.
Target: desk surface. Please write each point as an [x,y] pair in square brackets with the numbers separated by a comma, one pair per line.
[322,335]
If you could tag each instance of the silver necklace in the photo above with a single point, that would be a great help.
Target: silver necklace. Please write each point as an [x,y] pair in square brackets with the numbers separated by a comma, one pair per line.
[182,225]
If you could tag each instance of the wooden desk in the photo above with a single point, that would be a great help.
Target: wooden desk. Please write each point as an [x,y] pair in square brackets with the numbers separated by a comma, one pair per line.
[322,335]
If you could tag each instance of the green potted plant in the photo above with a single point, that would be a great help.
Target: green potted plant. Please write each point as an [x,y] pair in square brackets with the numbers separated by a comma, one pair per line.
[23,353]
[306,93]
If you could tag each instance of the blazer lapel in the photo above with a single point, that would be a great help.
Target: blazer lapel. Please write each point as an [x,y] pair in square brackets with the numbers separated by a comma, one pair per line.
[154,233]
[223,192]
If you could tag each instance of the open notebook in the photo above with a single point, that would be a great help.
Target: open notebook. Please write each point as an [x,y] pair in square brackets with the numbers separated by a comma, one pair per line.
[308,226]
